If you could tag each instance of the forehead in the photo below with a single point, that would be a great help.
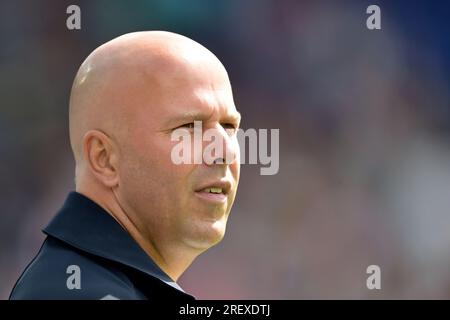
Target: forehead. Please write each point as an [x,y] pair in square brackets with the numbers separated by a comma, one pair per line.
[205,104]
[181,90]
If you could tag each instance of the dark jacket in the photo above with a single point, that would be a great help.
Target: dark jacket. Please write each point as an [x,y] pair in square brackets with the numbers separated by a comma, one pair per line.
[88,255]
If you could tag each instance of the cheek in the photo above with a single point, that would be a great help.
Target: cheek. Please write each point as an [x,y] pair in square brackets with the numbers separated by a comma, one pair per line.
[152,152]
[137,178]
[152,172]
[176,174]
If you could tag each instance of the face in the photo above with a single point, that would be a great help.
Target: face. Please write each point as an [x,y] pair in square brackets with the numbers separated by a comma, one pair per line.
[170,203]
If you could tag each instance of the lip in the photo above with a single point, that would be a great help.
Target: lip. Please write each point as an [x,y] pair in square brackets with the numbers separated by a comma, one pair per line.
[225,185]
[212,197]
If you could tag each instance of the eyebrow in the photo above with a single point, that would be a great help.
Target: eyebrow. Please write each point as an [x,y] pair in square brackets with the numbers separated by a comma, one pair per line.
[190,116]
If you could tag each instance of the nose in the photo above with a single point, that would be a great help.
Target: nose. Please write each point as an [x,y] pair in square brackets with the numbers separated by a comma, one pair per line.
[224,150]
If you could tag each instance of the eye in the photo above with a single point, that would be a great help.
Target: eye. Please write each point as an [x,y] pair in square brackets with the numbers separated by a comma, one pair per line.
[189,125]
[229,127]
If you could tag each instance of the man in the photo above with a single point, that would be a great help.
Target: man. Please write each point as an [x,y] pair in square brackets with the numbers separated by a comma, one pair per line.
[137,220]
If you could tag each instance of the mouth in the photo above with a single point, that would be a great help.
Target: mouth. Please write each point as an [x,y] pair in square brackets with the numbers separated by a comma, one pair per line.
[215,192]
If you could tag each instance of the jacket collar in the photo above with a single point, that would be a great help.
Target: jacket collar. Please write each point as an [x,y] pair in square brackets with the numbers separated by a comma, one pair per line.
[84,224]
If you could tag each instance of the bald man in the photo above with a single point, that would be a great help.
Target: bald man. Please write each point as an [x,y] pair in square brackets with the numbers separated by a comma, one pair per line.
[137,220]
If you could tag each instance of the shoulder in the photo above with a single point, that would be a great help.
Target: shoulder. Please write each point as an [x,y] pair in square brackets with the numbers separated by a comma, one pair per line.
[60,271]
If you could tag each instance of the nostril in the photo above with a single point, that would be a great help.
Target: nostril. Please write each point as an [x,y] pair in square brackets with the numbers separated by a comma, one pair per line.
[219,161]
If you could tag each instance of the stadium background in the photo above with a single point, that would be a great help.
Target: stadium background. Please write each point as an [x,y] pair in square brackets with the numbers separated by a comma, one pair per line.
[364,139]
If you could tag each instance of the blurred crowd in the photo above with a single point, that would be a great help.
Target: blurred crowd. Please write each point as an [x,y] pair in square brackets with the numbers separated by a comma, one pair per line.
[364,123]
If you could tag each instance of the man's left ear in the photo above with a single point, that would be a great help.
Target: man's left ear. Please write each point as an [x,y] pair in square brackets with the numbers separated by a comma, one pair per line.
[102,157]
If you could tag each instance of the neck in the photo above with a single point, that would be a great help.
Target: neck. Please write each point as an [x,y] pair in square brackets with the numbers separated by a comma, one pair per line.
[172,259]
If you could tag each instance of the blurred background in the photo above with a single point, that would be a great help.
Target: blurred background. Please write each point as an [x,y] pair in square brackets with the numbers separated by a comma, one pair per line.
[364,119]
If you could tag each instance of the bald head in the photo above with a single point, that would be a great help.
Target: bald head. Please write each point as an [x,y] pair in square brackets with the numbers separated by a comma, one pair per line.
[141,69]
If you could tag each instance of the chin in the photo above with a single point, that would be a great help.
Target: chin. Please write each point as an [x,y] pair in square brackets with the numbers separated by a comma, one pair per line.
[208,234]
